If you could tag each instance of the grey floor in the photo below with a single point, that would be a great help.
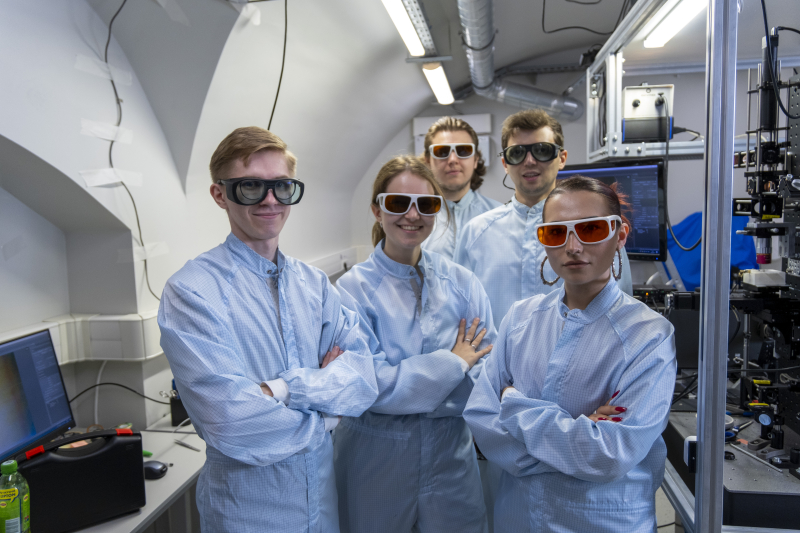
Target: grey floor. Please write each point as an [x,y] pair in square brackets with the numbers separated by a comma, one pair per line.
[665,514]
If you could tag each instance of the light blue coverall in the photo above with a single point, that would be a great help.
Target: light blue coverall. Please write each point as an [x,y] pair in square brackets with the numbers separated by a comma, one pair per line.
[408,463]
[563,472]
[230,320]
[501,248]
[444,236]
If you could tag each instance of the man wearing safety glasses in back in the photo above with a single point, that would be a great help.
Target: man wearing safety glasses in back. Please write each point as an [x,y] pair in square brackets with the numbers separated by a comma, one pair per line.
[451,152]
[264,356]
[500,246]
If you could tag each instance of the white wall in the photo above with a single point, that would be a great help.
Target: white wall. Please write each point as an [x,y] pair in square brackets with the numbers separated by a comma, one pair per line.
[33,266]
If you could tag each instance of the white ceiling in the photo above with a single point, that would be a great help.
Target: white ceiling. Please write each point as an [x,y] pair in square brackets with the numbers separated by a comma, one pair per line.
[347,88]
[689,46]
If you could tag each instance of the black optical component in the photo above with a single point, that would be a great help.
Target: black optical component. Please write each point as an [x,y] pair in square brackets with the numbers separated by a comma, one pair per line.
[252,191]
[542,152]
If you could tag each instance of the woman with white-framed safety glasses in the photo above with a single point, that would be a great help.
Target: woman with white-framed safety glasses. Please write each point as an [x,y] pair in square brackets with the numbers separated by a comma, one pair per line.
[400,203]
[534,409]
[432,325]
[592,230]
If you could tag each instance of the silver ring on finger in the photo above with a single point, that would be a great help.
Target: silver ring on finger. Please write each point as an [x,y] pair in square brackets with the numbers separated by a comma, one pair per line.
[474,347]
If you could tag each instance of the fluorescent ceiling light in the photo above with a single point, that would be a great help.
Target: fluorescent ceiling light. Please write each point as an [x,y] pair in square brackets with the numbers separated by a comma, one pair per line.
[673,22]
[397,11]
[437,79]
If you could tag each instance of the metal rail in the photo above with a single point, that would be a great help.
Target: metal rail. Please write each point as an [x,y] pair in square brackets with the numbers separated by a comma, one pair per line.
[721,34]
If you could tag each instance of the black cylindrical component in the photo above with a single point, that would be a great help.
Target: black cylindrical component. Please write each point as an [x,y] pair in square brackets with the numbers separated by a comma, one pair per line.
[776,439]
[794,456]
[769,104]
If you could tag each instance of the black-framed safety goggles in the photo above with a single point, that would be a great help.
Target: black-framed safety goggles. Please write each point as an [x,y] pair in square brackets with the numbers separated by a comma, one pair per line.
[542,152]
[252,191]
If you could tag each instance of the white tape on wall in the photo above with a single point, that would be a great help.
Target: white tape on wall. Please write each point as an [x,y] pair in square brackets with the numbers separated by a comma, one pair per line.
[248,11]
[174,11]
[101,69]
[106,131]
[109,176]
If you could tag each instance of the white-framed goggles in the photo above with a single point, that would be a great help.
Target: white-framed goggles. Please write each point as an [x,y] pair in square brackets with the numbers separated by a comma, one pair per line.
[588,230]
[442,151]
[399,204]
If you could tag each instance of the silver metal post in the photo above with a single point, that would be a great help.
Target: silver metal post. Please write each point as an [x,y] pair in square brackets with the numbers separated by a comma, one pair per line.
[745,360]
[721,33]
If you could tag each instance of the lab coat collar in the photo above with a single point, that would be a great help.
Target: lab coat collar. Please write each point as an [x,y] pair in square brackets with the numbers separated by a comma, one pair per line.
[462,204]
[251,260]
[524,211]
[394,268]
[596,308]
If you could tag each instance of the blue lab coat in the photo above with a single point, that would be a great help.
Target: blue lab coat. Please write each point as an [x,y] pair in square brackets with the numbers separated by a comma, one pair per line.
[445,233]
[563,472]
[501,248]
[409,462]
[269,465]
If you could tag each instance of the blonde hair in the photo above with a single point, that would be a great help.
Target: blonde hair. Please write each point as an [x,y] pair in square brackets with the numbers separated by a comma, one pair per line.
[242,143]
[393,168]
[456,124]
[530,120]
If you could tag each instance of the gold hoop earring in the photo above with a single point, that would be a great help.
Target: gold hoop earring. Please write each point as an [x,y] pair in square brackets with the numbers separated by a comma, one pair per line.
[617,276]
[541,273]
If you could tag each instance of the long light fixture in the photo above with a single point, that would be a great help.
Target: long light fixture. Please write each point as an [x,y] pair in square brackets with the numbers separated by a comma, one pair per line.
[673,18]
[397,11]
[437,79]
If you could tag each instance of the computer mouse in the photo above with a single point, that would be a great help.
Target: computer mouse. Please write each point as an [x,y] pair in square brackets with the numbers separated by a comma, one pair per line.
[154,469]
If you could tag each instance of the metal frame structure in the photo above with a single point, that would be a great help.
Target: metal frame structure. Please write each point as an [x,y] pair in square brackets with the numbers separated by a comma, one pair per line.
[703,512]
[608,66]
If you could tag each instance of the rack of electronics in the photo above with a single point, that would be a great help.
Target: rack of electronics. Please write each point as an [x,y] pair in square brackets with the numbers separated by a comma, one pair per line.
[628,131]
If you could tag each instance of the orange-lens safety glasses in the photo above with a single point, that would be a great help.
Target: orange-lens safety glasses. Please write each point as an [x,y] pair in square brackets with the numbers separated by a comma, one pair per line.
[400,204]
[442,151]
[588,231]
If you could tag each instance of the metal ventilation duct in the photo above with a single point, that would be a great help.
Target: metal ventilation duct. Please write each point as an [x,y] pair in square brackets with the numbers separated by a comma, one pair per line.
[477,25]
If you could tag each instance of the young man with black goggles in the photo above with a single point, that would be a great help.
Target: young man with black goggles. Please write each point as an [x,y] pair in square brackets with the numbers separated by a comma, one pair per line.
[504,241]
[266,358]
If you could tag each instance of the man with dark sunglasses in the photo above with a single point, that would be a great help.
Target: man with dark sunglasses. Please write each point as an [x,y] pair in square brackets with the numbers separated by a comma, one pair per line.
[500,246]
[451,152]
[265,357]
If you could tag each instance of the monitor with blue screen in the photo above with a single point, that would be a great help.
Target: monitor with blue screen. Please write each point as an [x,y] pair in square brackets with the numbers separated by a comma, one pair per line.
[643,182]
[33,401]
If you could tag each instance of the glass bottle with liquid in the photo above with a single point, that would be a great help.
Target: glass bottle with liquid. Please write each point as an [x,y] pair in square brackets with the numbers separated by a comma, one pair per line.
[15,500]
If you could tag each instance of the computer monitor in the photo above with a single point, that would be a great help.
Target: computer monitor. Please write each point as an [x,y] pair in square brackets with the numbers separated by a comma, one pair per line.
[643,181]
[33,401]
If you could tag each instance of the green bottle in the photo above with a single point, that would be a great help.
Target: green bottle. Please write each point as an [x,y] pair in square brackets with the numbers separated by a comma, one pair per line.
[15,500]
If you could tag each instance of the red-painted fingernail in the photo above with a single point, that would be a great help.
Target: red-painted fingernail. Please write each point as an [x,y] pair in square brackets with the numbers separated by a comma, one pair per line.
[620,409]
[616,419]
[615,395]
[602,418]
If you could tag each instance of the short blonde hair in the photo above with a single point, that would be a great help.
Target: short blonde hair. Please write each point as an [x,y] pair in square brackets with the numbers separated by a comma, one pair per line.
[242,143]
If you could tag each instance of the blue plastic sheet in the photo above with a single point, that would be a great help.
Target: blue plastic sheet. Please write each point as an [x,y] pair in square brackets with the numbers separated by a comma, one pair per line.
[743,250]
